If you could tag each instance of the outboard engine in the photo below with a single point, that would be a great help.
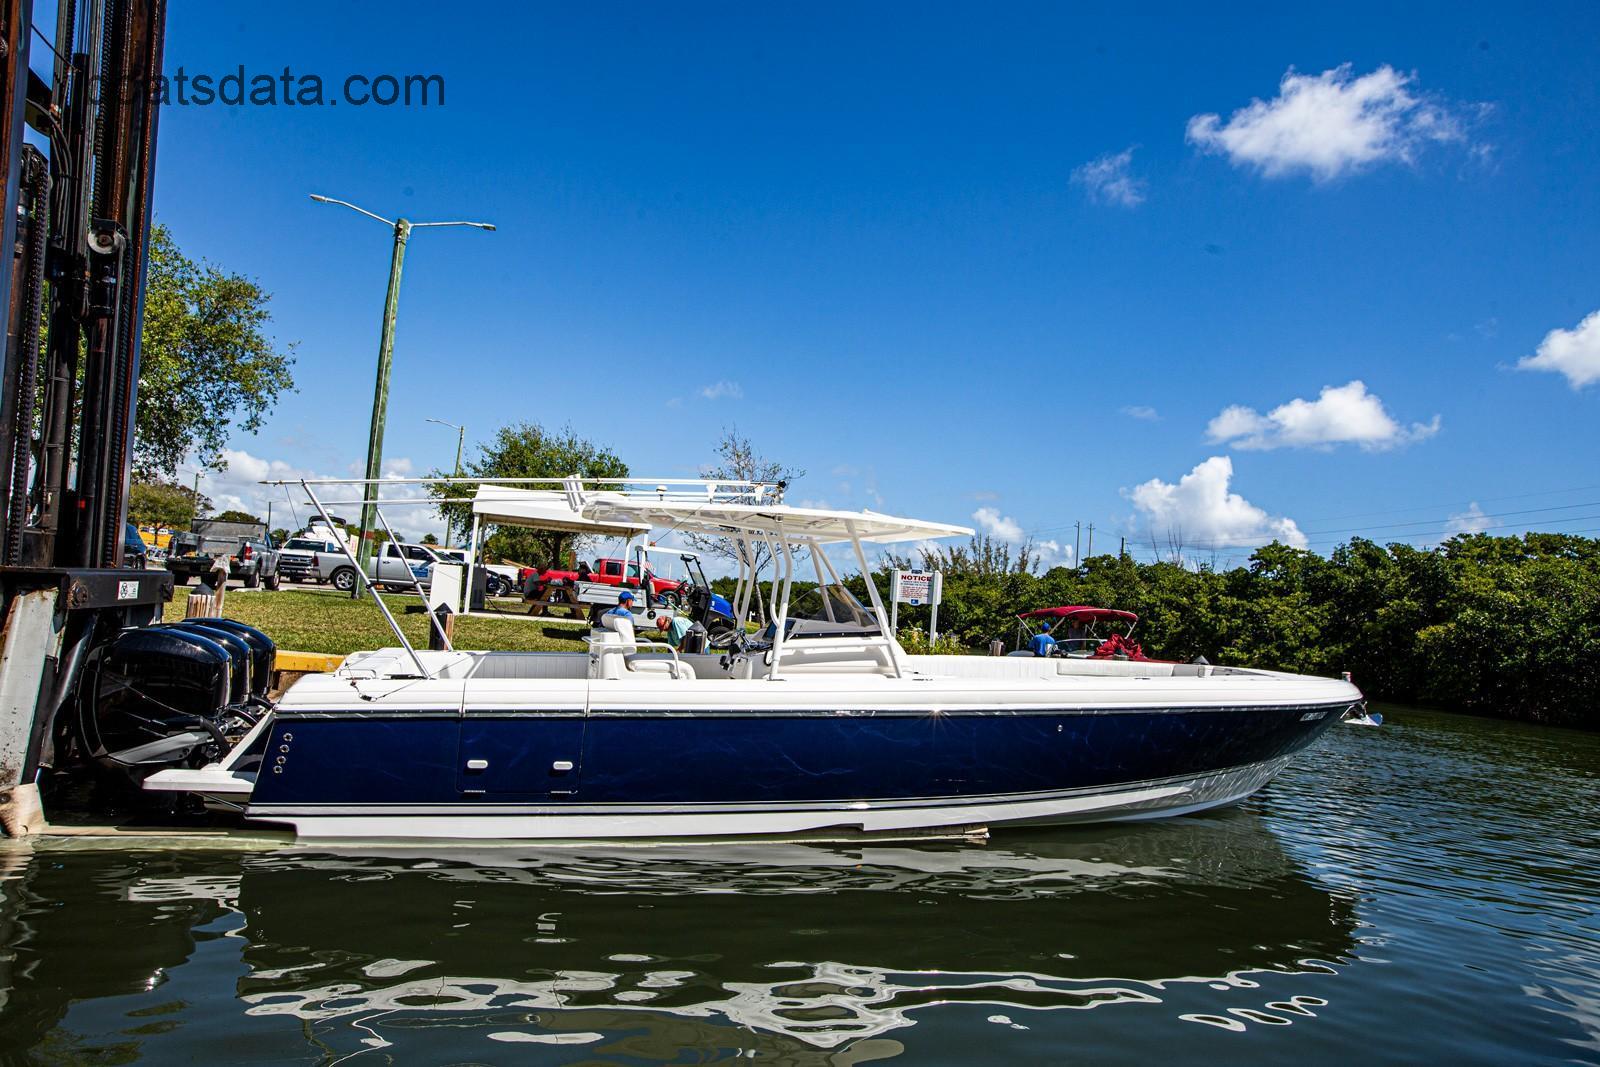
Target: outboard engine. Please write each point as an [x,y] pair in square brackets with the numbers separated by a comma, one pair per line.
[179,694]
[263,651]
[239,657]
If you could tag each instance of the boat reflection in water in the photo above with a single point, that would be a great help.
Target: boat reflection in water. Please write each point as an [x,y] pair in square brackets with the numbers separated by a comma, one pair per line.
[643,953]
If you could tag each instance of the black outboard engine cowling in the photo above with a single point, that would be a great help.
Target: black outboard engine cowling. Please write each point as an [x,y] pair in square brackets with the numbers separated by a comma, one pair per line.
[239,654]
[159,696]
[264,651]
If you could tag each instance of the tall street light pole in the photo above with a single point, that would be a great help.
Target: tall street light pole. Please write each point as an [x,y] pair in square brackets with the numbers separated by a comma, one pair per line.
[380,396]
[461,439]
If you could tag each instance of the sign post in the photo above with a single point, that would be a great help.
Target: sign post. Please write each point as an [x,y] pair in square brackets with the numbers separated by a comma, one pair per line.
[916,588]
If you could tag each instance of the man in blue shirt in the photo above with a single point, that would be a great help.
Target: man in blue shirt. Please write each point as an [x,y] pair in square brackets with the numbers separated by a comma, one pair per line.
[1042,644]
[624,606]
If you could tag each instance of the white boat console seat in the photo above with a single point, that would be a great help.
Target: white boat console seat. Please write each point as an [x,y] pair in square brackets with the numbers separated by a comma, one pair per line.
[614,653]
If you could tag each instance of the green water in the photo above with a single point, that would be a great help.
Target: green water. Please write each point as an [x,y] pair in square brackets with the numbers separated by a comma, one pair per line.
[1428,891]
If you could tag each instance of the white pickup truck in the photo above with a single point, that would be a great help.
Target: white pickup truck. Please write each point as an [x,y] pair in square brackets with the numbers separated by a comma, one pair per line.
[394,565]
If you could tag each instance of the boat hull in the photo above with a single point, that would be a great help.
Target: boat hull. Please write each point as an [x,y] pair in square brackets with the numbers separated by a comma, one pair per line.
[665,775]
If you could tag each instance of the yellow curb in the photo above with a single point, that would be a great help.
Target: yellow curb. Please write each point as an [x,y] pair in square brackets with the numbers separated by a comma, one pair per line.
[307,662]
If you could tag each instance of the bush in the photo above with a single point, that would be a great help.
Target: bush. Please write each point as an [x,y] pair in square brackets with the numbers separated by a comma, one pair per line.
[1504,626]
[915,641]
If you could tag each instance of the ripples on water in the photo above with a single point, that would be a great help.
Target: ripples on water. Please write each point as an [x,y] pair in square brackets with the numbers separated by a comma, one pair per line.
[1424,891]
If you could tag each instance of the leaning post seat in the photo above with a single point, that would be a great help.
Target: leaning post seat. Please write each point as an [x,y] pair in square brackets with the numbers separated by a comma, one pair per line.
[614,653]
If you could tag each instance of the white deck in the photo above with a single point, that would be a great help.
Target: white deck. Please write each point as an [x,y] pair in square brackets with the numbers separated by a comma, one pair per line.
[933,684]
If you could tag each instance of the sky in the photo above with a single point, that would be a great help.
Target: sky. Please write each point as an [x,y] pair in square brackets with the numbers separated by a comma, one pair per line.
[1197,277]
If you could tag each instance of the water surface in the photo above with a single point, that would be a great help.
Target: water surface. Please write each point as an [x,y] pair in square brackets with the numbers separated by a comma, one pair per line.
[1429,890]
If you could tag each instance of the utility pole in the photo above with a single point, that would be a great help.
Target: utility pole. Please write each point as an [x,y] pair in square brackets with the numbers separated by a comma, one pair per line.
[1091,539]
[1077,545]
[380,395]
[380,398]
[196,498]
[461,439]
[1122,548]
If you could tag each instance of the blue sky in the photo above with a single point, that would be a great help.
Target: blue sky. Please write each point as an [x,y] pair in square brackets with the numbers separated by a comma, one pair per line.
[951,265]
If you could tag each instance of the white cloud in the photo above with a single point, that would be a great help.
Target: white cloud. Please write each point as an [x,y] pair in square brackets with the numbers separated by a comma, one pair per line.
[1201,510]
[1107,181]
[1575,353]
[998,526]
[722,390]
[1005,528]
[238,487]
[1142,411]
[1329,124]
[1342,414]
[1473,520]
[1052,554]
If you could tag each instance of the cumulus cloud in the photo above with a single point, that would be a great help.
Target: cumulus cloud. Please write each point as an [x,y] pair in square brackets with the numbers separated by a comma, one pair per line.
[1005,528]
[722,390]
[1201,509]
[1053,554]
[1107,180]
[1329,124]
[238,487]
[1471,521]
[998,526]
[1142,411]
[1574,353]
[1343,414]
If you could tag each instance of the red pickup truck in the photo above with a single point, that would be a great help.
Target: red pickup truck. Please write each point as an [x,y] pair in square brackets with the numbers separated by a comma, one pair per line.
[605,571]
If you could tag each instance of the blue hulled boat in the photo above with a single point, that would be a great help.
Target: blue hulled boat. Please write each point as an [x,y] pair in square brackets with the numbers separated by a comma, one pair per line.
[819,725]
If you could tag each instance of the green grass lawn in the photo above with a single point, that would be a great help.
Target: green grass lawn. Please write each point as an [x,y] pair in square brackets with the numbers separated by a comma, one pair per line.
[324,622]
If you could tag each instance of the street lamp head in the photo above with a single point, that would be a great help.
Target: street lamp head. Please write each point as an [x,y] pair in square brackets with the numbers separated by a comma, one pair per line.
[474,225]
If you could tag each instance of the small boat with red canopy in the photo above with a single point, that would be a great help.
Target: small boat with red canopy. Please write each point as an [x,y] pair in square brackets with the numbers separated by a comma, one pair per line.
[1081,631]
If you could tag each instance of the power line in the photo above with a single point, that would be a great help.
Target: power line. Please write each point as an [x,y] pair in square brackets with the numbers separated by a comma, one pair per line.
[1455,504]
[1247,542]
[1424,522]
[1448,518]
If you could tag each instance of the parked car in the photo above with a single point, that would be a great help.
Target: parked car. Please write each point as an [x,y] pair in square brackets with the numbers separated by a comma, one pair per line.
[134,553]
[250,555]
[500,578]
[309,557]
[616,572]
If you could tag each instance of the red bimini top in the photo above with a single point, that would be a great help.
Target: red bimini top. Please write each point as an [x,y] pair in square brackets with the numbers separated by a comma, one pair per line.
[1081,613]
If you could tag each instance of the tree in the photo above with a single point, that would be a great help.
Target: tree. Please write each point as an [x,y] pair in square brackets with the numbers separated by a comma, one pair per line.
[160,503]
[527,450]
[207,367]
[279,536]
[235,515]
[739,461]
[429,539]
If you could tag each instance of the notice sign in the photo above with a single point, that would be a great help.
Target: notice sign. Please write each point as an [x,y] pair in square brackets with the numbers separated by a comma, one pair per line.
[916,587]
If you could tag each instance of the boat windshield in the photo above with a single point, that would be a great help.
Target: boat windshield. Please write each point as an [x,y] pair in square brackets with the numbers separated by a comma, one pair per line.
[830,611]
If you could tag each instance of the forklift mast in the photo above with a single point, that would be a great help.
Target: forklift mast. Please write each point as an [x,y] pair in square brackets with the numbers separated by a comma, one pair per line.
[74,239]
